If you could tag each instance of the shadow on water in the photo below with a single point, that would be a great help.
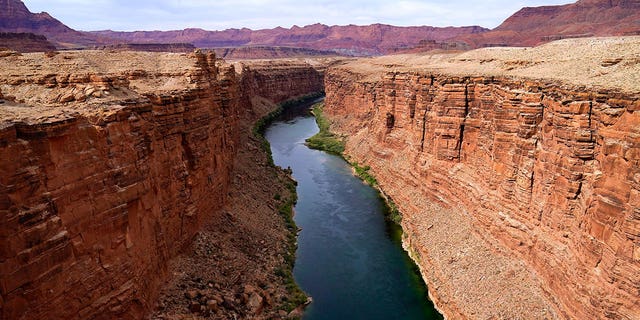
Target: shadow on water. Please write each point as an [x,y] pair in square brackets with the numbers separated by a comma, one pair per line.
[301,110]
[350,258]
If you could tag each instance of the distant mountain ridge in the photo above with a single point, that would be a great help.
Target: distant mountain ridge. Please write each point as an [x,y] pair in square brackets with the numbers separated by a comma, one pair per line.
[16,18]
[374,39]
[531,26]
[351,39]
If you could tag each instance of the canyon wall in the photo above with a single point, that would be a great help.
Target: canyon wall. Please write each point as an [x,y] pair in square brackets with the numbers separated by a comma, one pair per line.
[266,52]
[110,163]
[149,47]
[520,196]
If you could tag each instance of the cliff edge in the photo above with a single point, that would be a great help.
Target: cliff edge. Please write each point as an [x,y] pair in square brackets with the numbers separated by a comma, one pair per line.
[516,171]
[112,163]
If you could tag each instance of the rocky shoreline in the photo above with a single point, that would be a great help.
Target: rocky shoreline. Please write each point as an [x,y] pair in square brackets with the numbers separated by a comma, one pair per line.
[514,169]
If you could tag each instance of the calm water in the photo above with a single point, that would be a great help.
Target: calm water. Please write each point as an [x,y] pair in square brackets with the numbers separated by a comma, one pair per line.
[349,259]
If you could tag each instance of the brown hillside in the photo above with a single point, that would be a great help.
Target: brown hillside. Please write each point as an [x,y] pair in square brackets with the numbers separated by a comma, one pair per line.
[533,26]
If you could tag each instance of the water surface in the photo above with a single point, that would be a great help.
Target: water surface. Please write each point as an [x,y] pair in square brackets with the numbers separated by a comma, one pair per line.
[349,258]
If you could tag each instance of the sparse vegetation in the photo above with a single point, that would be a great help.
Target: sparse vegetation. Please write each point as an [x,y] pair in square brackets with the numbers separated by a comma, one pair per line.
[261,125]
[296,296]
[329,142]
[325,140]
[363,173]
[392,212]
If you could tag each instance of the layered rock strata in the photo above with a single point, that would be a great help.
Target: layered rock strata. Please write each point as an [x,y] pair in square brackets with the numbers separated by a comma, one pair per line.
[516,170]
[150,47]
[266,52]
[110,163]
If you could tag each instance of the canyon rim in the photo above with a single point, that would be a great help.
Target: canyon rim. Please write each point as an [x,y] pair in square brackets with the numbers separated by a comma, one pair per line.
[516,171]
[133,184]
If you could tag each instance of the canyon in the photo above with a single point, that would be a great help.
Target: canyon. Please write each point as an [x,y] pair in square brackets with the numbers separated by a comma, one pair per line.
[112,163]
[262,52]
[132,183]
[516,171]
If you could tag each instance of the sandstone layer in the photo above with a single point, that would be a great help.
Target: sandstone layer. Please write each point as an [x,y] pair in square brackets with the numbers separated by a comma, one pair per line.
[517,172]
[110,163]
[150,47]
[233,268]
[264,52]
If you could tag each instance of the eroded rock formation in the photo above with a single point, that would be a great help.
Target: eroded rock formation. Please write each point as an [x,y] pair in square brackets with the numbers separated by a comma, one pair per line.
[264,52]
[110,163]
[518,179]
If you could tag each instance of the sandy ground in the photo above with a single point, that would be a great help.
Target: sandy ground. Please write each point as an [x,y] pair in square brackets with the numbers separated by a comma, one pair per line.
[611,63]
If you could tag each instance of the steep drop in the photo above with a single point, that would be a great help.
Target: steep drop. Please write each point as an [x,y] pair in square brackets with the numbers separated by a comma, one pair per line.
[517,171]
[111,163]
[347,259]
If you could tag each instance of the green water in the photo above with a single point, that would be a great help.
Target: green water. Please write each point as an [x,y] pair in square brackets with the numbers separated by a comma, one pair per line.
[349,258]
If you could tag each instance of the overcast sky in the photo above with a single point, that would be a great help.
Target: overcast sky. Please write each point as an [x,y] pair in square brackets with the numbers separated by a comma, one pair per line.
[130,15]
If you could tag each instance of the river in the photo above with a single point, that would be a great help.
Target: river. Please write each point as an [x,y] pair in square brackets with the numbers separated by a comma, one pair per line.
[349,259]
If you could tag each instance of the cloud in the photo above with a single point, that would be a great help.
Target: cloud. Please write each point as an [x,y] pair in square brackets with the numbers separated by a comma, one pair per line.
[256,14]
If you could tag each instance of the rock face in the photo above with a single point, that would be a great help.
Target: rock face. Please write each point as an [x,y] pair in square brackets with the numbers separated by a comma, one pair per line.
[25,42]
[520,195]
[260,52]
[353,40]
[585,18]
[150,47]
[109,165]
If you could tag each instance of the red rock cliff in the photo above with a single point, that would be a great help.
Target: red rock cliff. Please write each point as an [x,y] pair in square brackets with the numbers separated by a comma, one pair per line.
[109,165]
[520,195]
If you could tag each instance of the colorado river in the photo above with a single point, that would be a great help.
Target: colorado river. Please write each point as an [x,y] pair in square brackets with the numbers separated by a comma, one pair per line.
[349,259]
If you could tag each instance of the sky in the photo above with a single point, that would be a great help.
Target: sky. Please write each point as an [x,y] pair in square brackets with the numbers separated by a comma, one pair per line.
[132,15]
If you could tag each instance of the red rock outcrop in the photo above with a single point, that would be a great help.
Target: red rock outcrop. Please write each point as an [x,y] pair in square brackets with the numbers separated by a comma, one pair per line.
[109,165]
[492,168]
[585,18]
